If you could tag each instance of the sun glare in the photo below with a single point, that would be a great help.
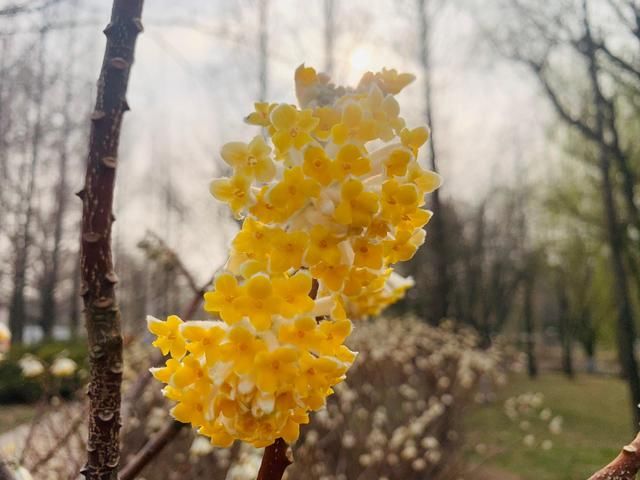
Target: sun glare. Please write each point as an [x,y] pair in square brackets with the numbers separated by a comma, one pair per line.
[361,59]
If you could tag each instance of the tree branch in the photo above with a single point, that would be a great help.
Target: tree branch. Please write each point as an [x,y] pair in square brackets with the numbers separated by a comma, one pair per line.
[277,457]
[619,61]
[625,466]
[152,448]
[102,315]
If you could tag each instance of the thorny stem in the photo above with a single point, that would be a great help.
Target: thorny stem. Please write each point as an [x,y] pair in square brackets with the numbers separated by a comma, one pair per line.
[98,277]
[625,466]
[277,457]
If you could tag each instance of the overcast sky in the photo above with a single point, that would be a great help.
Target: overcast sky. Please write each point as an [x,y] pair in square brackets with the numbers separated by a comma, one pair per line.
[196,77]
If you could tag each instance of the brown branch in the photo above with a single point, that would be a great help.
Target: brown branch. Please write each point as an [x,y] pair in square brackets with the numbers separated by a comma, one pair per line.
[102,315]
[277,457]
[75,425]
[625,466]
[177,262]
[152,448]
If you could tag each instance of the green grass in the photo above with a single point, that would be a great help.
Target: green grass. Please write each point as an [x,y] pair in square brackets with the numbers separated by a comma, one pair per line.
[597,423]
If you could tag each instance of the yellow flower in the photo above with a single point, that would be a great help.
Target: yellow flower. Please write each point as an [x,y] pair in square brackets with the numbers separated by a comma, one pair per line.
[326,223]
[260,116]
[234,191]
[250,160]
[356,207]
[385,111]
[257,301]
[417,218]
[397,199]
[425,180]
[393,82]
[222,299]
[301,333]
[397,162]
[317,165]
[203,339]
[358,280]
[276,369]
[368,254]
[190,371]
[264,210]
[169,339]
[399,249]
[317,374]
[253,239]
[332,276]
[191,407]
[353,126]
[294,294]
[164,373]
[328,117]
[323,246]
[414,138]
[351,161]
[218,434]
[292,127]
[378,228]
[241,348]
[287,250]
[291,431]
[293,191]
[332,335]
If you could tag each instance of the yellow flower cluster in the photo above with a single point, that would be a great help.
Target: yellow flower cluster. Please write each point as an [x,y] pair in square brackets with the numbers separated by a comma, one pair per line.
[328,205]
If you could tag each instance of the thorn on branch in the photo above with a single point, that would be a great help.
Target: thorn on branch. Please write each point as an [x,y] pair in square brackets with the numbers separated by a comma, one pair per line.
[118,63]
[138,24]
[109,162]
[97,115]
[91,237]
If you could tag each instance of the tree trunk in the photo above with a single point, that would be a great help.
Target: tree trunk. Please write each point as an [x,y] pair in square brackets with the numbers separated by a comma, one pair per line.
[17,308]
[564,328]
[529,329]
[438,227]
[74,301]
[48,316]
[102,315]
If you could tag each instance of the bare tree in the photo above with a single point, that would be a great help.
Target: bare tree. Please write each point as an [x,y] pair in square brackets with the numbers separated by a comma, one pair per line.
[22,242]
[596,123]
[438,226]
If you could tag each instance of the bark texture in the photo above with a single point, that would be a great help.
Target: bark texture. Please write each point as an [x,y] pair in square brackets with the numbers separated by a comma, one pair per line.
[96,264]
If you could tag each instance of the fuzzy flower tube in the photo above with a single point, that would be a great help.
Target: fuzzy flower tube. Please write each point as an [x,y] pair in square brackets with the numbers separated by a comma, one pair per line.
[330,200]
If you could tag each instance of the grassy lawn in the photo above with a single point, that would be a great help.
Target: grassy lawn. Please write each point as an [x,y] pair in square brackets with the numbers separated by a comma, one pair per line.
[596,424]
[13,415]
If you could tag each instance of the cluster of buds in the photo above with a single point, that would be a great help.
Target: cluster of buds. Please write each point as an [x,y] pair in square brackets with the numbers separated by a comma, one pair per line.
[328,206]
